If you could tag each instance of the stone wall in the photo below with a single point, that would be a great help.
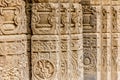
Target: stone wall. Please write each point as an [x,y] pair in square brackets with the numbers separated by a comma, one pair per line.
[59,39]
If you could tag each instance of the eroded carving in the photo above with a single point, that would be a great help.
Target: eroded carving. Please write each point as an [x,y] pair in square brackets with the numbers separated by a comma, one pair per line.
[14,58]
[13,18]
[104,20]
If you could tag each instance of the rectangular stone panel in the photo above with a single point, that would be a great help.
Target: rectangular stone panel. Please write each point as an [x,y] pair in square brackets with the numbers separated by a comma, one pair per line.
[71,57]
[55,18]
[44,57]
[43,18]
[14,58]
[70,18]
[13,44]
[12,17]
[90,56]
[89,19]
[104,57]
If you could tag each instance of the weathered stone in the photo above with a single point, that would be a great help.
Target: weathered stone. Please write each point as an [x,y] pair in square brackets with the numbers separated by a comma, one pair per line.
[14,58]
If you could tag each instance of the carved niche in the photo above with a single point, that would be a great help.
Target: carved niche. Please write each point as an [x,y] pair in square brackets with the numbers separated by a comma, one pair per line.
[90,53]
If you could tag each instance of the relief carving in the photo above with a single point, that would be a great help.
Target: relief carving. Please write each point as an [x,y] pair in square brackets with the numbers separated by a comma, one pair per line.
[114,20]
[104,20]
[44,53]
[104,57]
[114,56]
[15,22]
[43,18]
[13,51]
[89,50]
[43,69]
[89,19]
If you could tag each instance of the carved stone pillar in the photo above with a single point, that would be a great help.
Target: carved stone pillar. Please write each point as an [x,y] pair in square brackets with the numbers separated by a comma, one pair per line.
[108,41]
[13,41]
[57,40]
[89,41]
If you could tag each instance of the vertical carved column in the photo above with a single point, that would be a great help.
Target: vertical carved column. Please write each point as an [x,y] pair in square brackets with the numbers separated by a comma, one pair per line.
[57,40]
[44,41]
[104,44]
[118,56]
[89,41]
[114,44]
[99,42]
[13,41]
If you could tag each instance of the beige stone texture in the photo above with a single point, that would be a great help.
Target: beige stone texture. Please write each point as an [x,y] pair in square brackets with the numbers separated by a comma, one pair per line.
[59,40]
[13,58]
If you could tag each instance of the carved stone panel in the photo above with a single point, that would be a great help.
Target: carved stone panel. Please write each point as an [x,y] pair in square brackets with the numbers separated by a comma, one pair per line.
[70,57]
[89,56]
[114,20]
[44,57]
[13,58]
[89,19]
[104,20]
[43,18]
[46,17]
[12,17]
[114,56]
